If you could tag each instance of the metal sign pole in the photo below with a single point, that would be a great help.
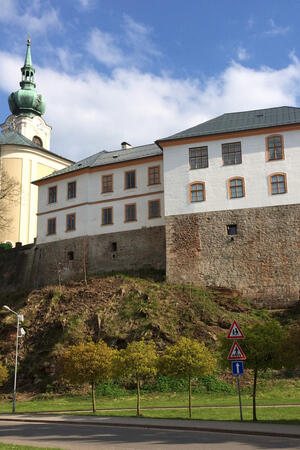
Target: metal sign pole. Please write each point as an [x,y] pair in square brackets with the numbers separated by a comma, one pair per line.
[240,400]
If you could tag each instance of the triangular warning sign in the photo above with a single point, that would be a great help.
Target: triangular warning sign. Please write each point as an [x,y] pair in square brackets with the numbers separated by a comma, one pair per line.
[235,332]
[236,353]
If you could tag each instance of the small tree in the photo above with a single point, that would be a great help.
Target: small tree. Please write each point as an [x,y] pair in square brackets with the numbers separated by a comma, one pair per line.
[9,192]
[3,374]
[187,358]
[138,360]
[88,362]
[290,350]
[262,347]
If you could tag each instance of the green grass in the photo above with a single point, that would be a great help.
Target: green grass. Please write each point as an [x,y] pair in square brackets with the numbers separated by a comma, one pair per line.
[270,392]
[285,415]
[24,447]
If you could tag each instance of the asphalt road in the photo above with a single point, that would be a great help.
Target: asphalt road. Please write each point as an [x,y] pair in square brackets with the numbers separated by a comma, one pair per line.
[70,436]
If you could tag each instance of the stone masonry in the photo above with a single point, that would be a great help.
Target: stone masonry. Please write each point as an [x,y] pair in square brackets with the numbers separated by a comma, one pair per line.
[38,265]
[261,262]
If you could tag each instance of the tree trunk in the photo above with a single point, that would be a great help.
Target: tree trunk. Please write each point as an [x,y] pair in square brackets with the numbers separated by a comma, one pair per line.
[254,395]
[93,397]
[138,404]
[190,397]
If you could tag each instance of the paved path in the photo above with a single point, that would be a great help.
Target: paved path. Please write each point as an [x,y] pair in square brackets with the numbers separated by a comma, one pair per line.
[81,436]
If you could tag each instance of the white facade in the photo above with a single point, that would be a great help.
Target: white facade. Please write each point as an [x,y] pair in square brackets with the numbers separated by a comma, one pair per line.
[90,200]
[255,169]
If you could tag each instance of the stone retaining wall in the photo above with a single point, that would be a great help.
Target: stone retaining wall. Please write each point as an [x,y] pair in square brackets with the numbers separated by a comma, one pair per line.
[262,261]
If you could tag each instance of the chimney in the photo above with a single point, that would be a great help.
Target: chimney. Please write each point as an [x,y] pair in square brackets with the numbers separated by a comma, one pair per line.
[125,145]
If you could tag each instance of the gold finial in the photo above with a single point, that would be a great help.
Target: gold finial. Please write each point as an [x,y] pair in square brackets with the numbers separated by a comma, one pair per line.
[28,41]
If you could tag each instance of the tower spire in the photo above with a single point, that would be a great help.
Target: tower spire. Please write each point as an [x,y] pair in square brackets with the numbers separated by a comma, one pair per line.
[26,101]
[28,70]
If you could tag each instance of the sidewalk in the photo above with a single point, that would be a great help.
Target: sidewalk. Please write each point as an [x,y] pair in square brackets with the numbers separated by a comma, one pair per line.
[260,429]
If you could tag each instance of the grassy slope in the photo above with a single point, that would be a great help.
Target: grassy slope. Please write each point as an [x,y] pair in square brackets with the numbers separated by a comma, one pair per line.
[118,309]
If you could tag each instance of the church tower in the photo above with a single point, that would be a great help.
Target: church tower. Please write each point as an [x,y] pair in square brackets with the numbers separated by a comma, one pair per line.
[27,107]
[25,156]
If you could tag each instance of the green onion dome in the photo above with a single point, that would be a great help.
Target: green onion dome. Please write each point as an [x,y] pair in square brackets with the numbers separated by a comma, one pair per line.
[26,101]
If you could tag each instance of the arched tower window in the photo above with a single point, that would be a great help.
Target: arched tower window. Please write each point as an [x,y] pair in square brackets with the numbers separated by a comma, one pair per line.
[37,140]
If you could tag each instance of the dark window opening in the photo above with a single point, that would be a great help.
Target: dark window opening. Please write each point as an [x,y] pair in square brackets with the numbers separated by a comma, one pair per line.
[231,230]
[70,256]
[130,179]
[37,140]
[113,246]
[52,197]
[72,190]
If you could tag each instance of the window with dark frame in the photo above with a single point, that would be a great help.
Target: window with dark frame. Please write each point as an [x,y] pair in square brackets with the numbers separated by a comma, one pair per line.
[107,183]
[198,157]
[232,229]
[37,140]
[236,188]
[231,153]
[72,189]
[197,192]
[113,246]
[130,179]
[52,194]
[71,222]
[107,216]
[71,256]
[51,229]
[278,184]
[154,175]
[154,209]
[130,212]
[274,148]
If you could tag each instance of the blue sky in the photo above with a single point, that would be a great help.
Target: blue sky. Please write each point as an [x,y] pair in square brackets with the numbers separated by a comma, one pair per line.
[137,70]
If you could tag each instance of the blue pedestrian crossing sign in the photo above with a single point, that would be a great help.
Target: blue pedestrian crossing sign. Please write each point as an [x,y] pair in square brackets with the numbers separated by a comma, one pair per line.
[237,367]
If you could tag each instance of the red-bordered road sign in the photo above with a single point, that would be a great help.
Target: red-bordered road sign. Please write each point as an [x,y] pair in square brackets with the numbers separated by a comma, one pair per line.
[235,332]
[236,353]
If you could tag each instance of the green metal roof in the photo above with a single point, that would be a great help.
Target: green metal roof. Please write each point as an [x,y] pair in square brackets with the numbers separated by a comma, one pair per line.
[104,158]
[15,138]
[241,121]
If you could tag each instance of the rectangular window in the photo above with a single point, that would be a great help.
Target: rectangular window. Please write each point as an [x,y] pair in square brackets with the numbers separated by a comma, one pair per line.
[130,179]
[130,212]
[107,216]
[154,208]
[72,189]
[70,222]
[278,184]
[51,228]
[232,153]
[232,229]
[107,183]
[154,175]
[197,192]
[236,188]
[198,157]
[274,148]
[52,194]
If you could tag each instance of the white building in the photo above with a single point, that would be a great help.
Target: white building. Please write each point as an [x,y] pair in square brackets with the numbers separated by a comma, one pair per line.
[232,203]
[109,192]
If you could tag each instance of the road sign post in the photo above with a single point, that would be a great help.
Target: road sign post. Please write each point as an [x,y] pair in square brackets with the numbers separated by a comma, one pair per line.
[237,356]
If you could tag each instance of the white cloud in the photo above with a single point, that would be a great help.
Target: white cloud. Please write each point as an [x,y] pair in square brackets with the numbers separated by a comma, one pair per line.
[276,30]
[242,54]
[104,48]
[29,17]
[90,111]
[137,47]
